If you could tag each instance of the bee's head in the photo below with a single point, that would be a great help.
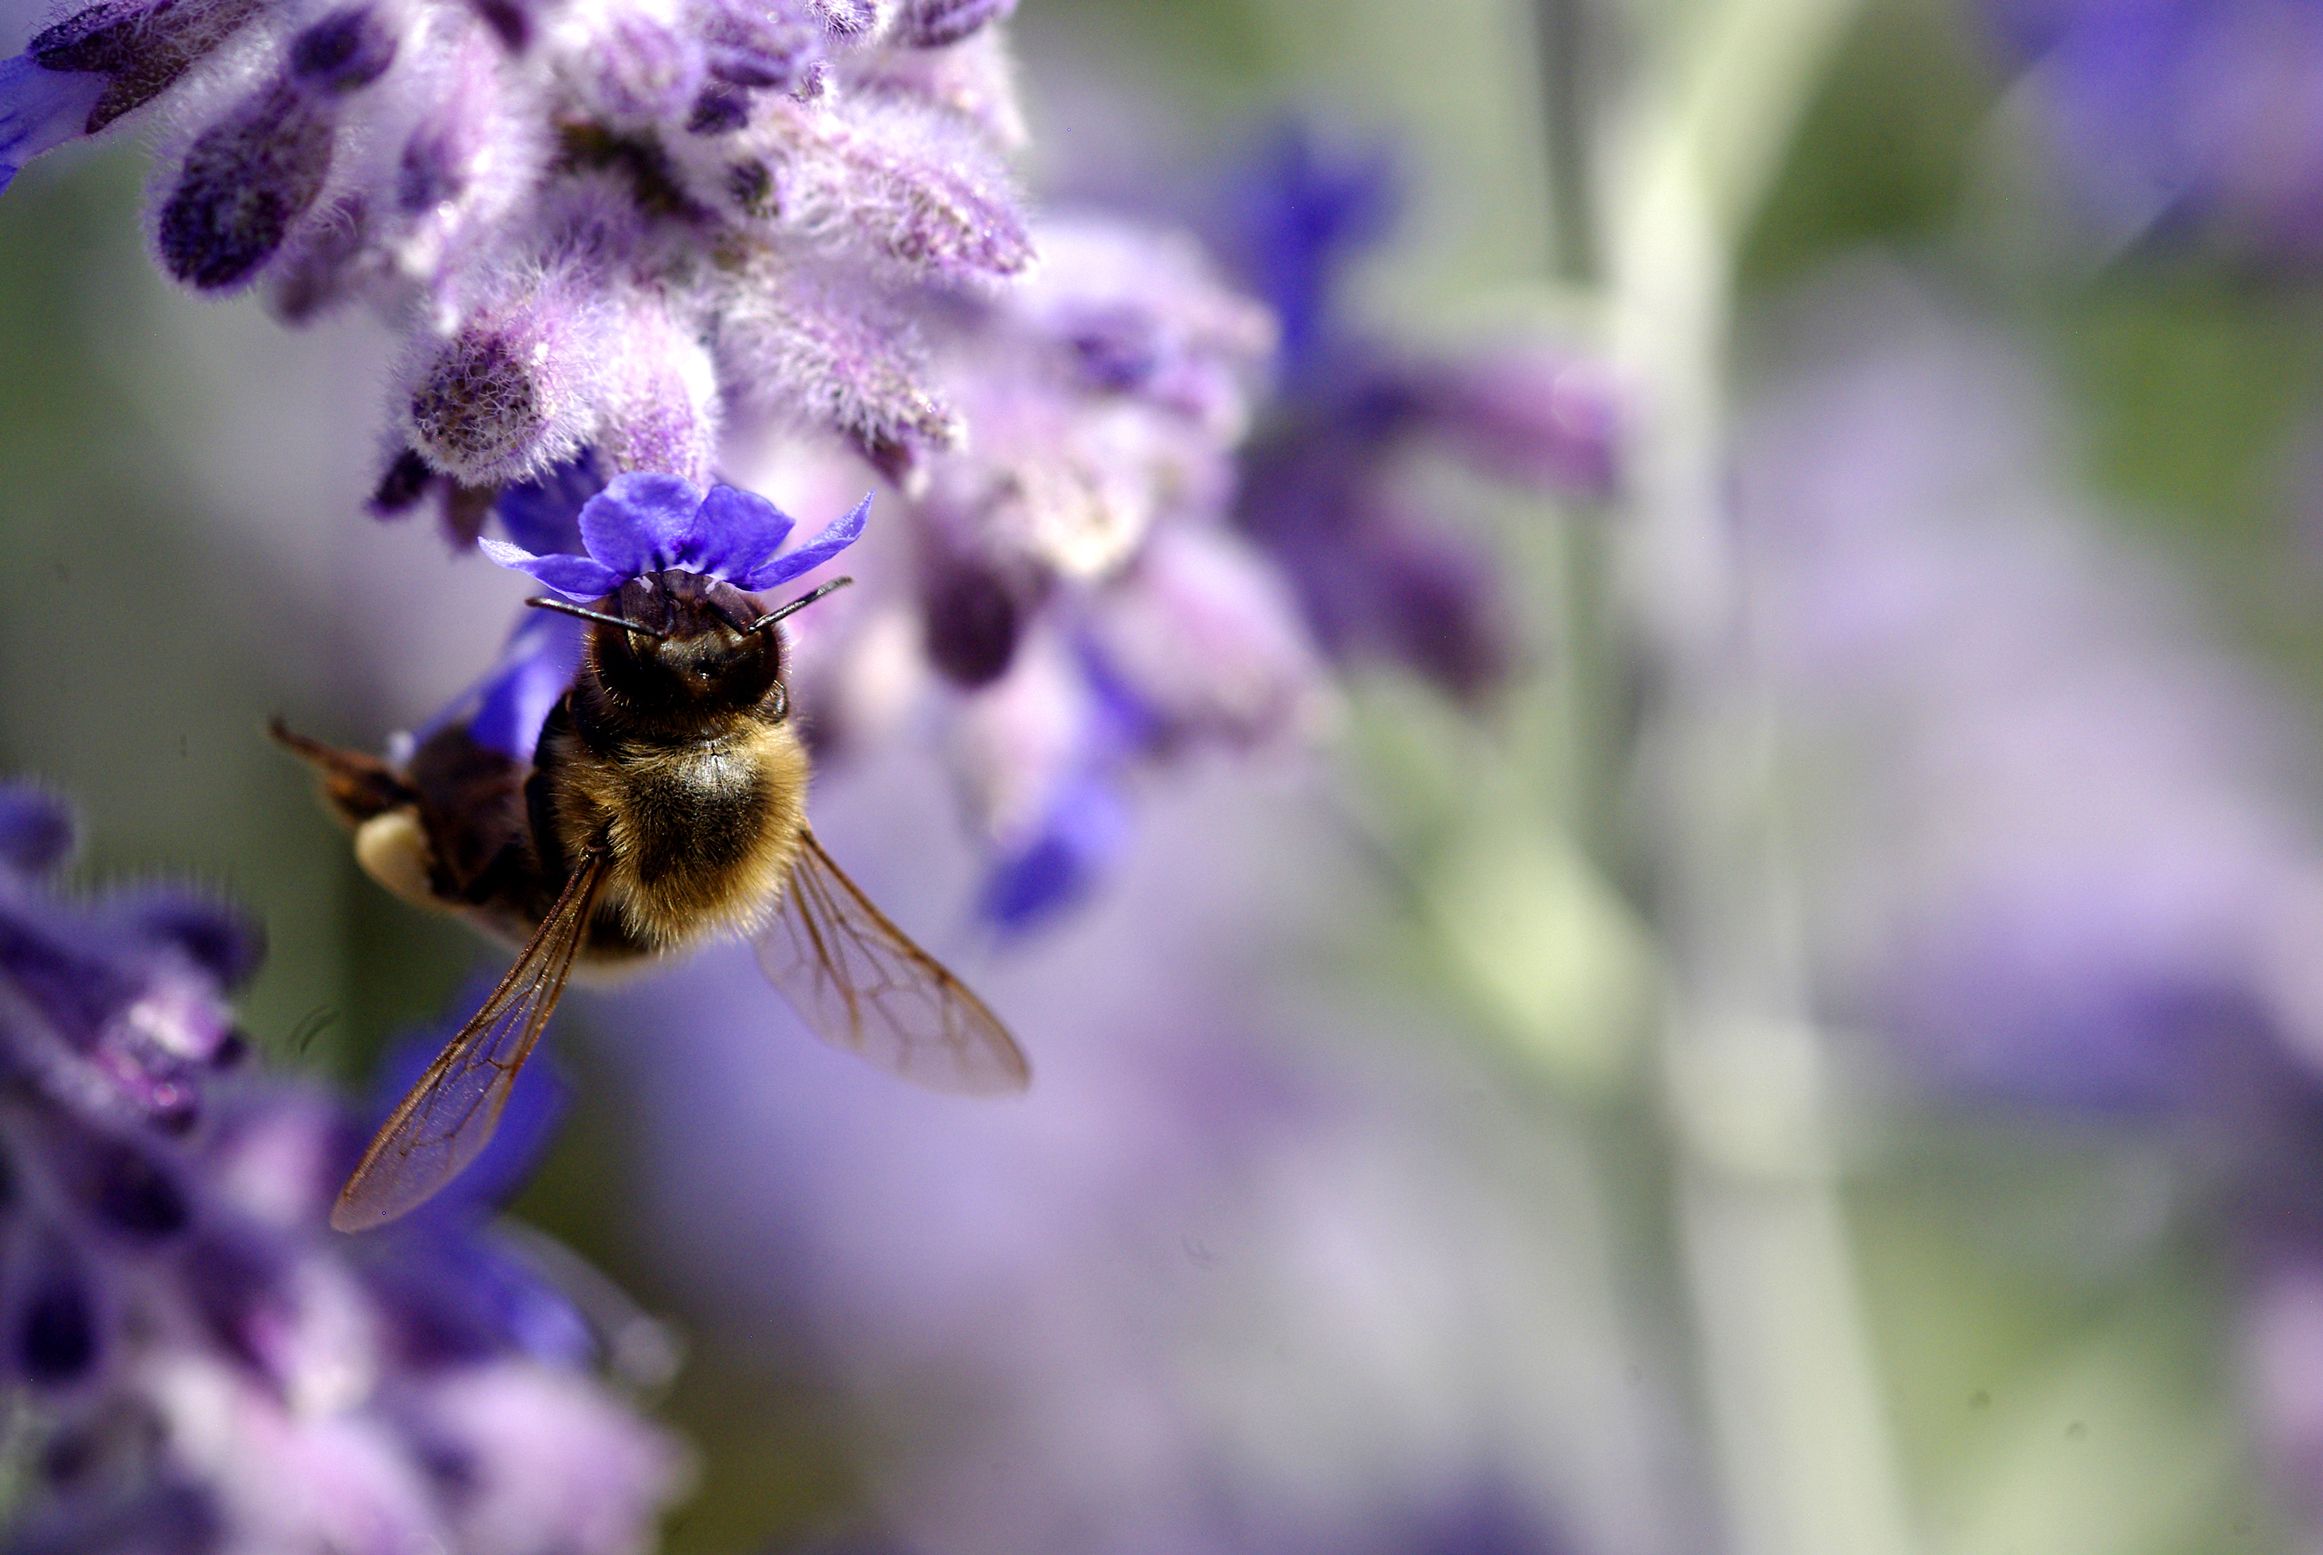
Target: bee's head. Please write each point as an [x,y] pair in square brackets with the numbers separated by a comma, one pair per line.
[680,647]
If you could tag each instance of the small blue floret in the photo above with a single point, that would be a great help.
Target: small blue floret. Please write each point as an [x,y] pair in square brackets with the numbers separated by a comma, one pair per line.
[40,109]
[643,523]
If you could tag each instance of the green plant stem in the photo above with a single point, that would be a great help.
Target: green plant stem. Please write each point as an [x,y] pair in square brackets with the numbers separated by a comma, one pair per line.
[1798,1423]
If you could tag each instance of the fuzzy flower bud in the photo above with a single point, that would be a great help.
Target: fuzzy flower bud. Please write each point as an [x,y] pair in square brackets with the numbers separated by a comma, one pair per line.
[973,615]
[661,397]
[794,344]
[627,230]
[464,133]
[761,47]
[935,24]
[344,52]
[846,18]
[902,184]
[646,71]
[1210,644]
[243,183]
[511,392]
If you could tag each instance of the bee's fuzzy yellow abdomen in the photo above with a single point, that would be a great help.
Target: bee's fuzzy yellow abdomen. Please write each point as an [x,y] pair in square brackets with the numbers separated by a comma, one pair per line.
[700,838]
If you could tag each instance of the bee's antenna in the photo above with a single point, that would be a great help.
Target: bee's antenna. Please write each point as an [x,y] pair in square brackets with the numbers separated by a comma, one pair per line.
[564,607]
[798,604]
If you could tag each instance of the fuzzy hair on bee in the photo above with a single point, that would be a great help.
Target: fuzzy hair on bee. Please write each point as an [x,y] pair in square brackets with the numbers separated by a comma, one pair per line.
[674,758]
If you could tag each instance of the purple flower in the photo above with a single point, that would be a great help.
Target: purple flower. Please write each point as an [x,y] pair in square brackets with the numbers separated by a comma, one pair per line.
[1297,216]
[644,524]
[507,707]
[1973,666]
[2186,115]
[1333,487]
[622,244]
[1208,1288]
[39,110]
[212,1368]
[1197,649]
[1073,596]
[114,1013]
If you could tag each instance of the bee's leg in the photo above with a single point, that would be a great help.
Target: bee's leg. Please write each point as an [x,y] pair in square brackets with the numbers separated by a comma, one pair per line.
[358,788]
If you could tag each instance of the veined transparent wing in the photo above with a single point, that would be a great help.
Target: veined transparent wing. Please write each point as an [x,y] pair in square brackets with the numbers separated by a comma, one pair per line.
[449,1116]
[861,984]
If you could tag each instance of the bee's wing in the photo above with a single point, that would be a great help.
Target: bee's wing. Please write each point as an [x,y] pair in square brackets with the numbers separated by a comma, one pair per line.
[448,1117]
[861,984]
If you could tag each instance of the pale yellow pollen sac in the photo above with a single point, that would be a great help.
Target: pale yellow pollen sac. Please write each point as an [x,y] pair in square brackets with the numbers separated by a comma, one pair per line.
[393,850]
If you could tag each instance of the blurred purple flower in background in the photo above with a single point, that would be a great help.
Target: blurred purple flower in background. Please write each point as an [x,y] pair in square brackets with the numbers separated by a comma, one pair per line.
[197,1363]
[1111,583]
[1207,1286]
[1331,488]
[2200,115]
[1064,594]
[2064,838]
[2071,860]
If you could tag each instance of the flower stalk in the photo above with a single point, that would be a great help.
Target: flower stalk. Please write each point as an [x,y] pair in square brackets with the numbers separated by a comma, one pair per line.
[1783,1358]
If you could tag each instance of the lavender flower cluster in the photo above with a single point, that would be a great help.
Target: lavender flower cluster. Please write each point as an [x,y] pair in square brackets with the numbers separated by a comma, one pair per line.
[596,224]
[194,1361]
[775,242]
[1334,487]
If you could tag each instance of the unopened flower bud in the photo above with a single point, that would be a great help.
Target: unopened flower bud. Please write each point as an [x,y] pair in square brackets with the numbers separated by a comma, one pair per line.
[243,184]
[1527,415]
[918,198]
[971,619]
[644,71]
[661,398]
[796,344]
[510,393]
[720,110]
[761,47]
[1440,609]
[402,484]
[344,52]
[1211,641]
[317,269]
[933,24]
[56,1331]
[134,1195]
[511,21]
[37,834]
[845,18]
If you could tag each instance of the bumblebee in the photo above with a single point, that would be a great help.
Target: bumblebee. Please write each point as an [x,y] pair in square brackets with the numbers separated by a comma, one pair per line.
[665,804]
